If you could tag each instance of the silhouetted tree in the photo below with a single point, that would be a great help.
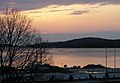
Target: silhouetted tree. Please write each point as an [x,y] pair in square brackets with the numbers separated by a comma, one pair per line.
[16,36]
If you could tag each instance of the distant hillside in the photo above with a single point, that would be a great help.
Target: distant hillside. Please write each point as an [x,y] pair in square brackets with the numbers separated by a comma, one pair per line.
[91,66]
[88,42]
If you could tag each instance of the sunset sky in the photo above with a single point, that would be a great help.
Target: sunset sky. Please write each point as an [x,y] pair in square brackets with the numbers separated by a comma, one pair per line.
[69,16]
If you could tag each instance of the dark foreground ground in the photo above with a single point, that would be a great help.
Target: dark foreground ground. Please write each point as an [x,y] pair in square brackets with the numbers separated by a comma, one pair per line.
[103,80]
[110,80]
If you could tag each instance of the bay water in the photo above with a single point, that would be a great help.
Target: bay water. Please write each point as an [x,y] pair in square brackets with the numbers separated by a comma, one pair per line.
[83,56]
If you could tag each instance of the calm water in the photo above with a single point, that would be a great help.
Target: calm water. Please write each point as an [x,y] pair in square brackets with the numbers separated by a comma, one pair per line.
[84,56]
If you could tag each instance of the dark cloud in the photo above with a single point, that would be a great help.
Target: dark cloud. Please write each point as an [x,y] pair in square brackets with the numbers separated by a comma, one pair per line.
[36,12]
[34,4]
[102,4]
[61,10]
[79,12]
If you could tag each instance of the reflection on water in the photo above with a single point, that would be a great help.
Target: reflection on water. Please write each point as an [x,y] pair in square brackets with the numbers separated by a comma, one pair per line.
[84,56]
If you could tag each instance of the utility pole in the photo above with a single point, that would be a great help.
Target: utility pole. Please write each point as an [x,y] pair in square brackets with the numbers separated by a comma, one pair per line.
[114,57]
[106,57]
[106,71]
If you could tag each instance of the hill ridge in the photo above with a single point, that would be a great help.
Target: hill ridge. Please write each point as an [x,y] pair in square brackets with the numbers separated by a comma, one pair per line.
[87,42]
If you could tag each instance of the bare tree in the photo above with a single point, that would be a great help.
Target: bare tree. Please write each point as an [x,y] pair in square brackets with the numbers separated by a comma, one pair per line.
[42,55]
[16,37]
